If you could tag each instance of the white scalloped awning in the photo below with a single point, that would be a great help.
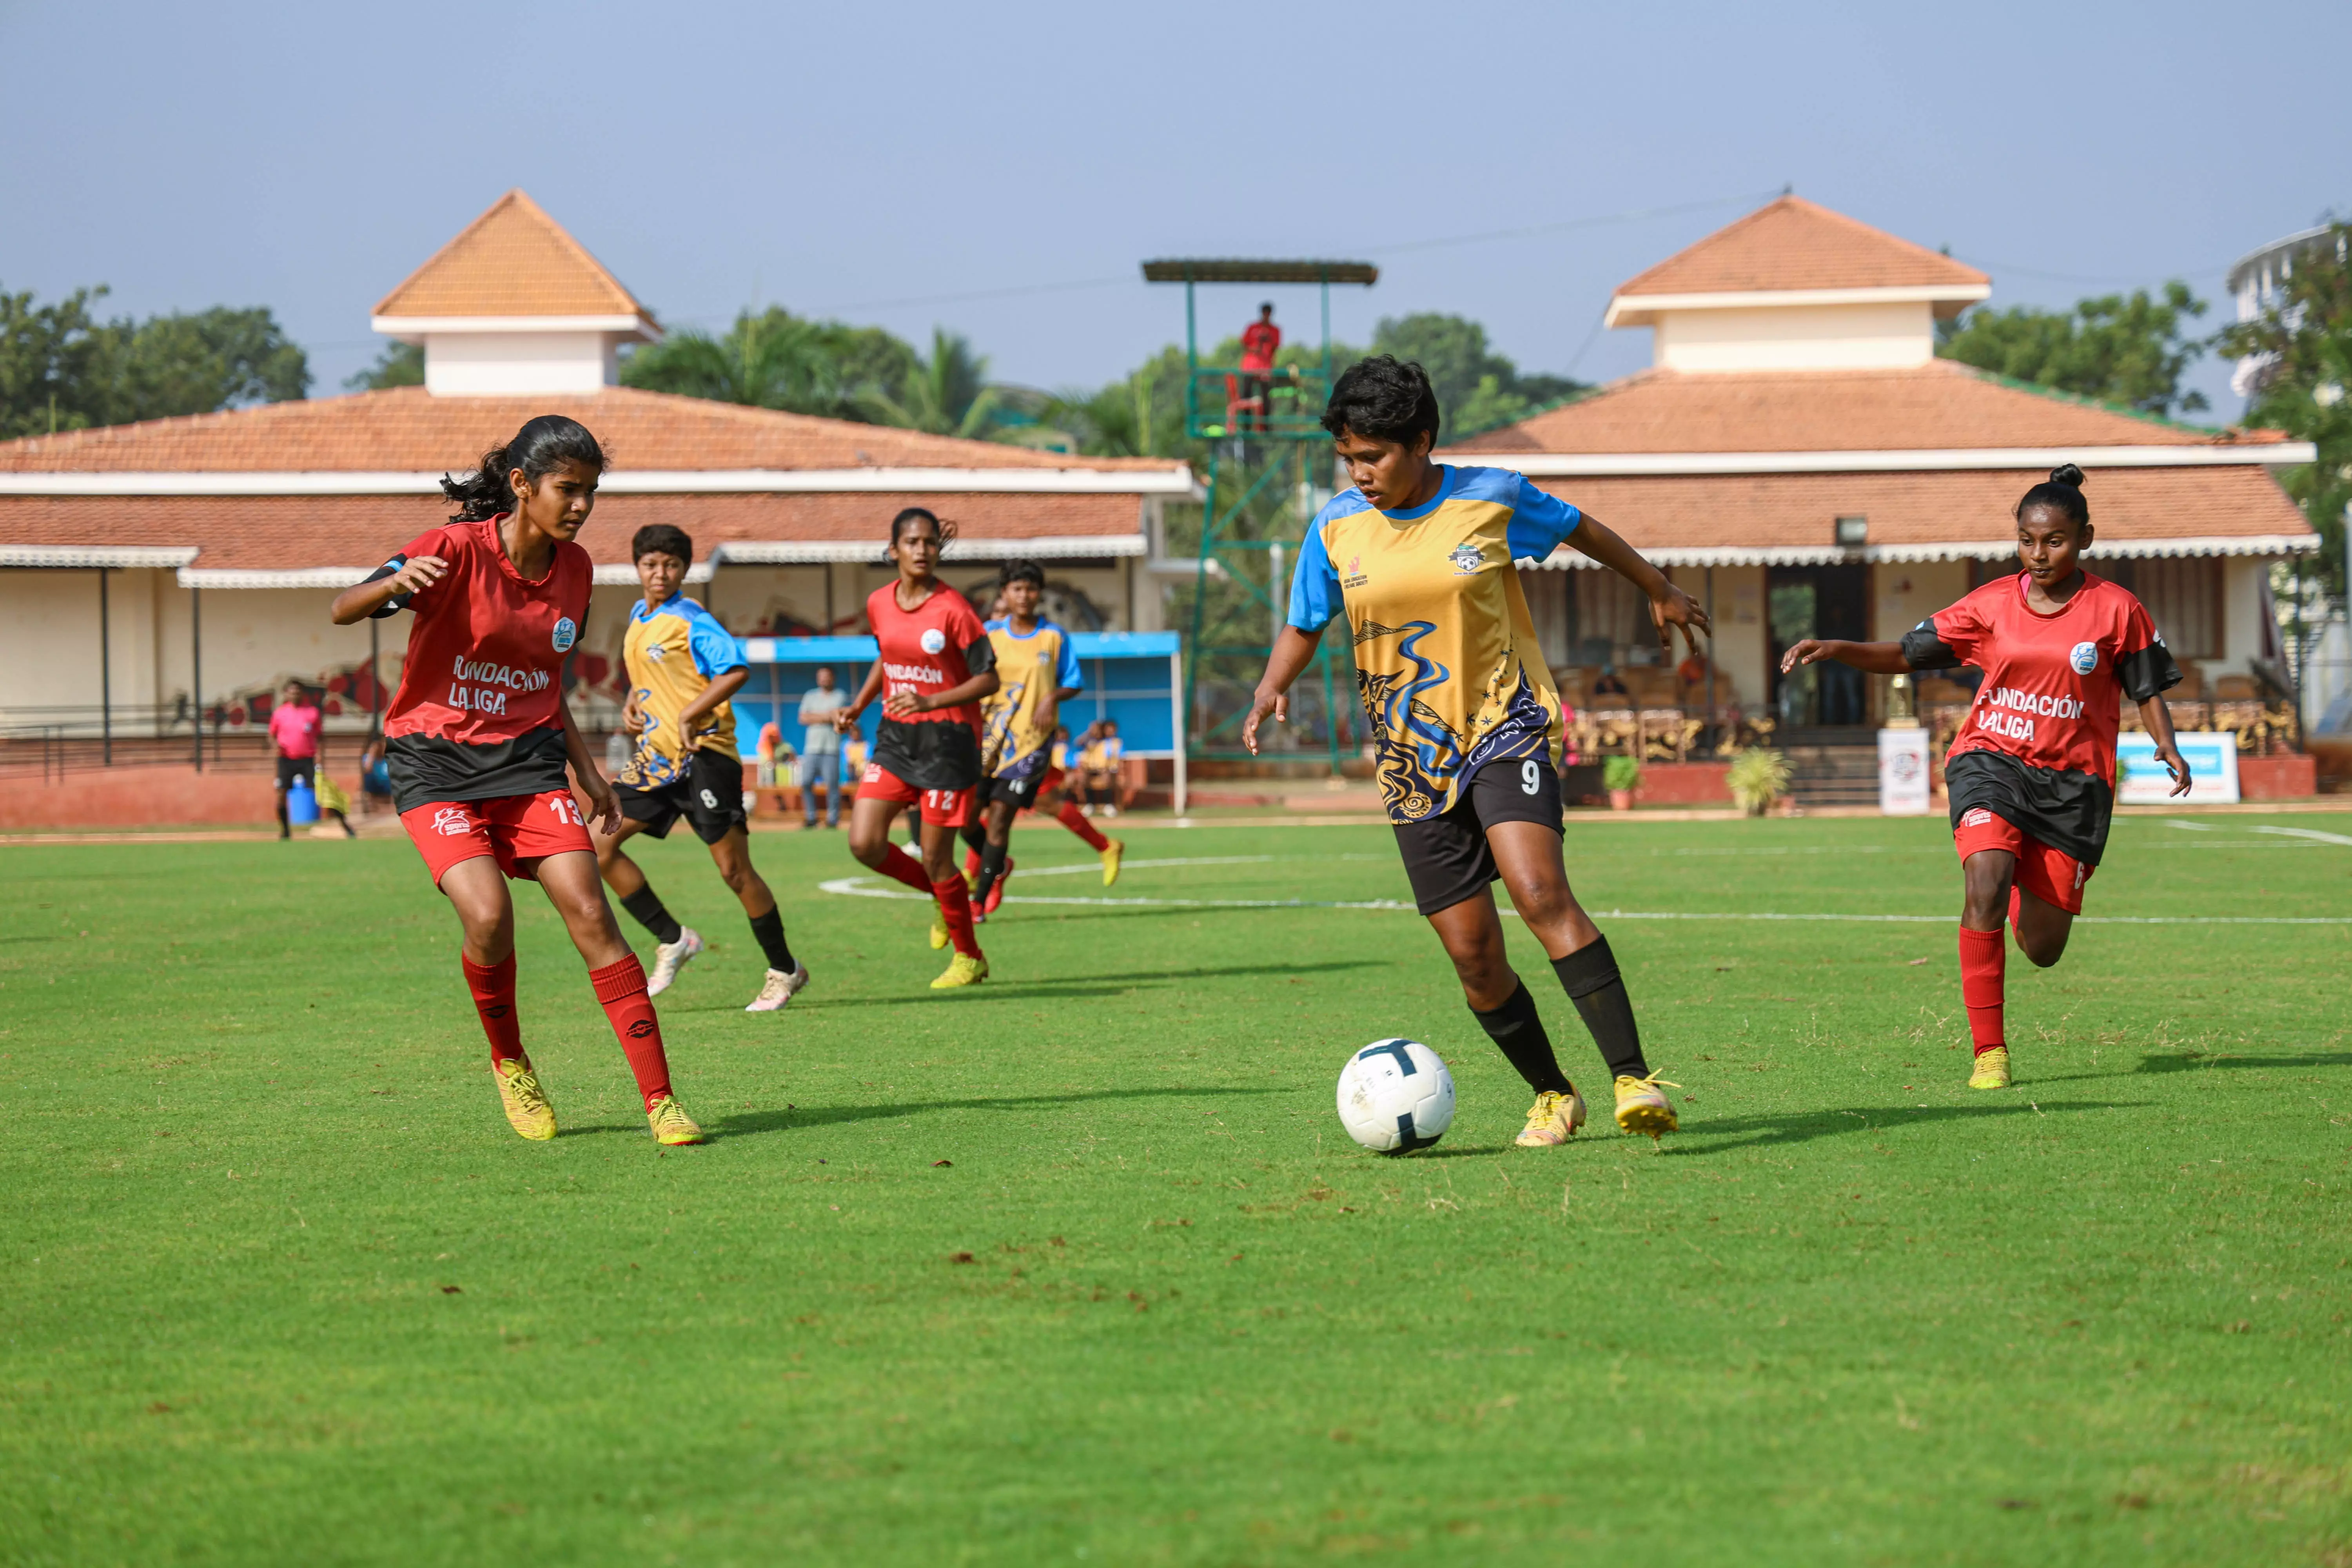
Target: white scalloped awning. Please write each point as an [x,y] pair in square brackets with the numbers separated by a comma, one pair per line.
[83,557]
[1564,559]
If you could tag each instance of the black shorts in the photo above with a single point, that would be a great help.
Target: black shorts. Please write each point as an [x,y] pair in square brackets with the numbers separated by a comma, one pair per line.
[1021,784]
[709,795]
[940,753]
[292,768]
[1445,857]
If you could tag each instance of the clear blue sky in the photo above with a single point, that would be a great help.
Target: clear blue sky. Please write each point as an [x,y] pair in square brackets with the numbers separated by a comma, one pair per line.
[870,161]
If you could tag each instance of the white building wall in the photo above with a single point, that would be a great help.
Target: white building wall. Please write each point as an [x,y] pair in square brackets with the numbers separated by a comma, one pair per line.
[2241,614]
[1909,591]
[481,364]
[1797,337]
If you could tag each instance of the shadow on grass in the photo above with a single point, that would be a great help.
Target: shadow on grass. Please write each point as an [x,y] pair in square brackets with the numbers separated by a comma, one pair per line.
[1058,987]
[1771,1131]
[2200,1061]
[828,1116]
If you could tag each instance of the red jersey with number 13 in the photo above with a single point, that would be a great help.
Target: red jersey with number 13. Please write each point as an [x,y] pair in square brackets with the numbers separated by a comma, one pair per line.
[2053,684]
[938,644]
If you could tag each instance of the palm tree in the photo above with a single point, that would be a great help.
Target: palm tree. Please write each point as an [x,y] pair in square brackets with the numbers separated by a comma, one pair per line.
[949,394]
[773,360]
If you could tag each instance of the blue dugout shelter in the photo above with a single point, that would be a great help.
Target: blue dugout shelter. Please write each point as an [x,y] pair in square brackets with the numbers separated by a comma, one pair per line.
[1134,678]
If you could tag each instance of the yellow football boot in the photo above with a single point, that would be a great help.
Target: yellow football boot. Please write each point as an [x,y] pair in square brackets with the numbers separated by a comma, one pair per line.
[528,1111]
[1110,853]
[1552,1119]
[1992,1071]
[962,970]
[939,937]
[1643,1107]
[671,1124]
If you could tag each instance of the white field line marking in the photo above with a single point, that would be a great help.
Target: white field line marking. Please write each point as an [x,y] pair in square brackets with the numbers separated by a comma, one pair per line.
[2311,833]
[866,888]
[2191,826]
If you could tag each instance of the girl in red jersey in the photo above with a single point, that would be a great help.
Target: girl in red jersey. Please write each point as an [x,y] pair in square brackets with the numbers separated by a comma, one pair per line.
[2031,773]
[478,737]
[936,663]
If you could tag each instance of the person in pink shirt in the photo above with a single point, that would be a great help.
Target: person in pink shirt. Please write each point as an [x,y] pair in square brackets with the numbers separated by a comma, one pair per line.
[294,726]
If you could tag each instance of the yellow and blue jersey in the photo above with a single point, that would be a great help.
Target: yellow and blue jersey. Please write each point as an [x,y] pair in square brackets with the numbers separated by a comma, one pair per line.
[1446,659]
[1029,669]
[673,651]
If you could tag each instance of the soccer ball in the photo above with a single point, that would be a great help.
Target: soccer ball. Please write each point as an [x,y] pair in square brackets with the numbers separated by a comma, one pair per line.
[1395,1095]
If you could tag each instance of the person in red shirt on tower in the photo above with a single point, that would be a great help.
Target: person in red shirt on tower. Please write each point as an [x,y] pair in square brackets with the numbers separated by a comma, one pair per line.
[1260,341]
[478,737]
[936,663]
[2031,773]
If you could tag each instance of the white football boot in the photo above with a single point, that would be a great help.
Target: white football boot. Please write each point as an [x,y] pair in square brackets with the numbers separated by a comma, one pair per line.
[778,989]
[669,957]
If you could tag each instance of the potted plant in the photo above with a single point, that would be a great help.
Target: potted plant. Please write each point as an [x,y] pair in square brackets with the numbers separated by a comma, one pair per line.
[1622,776]
[1759,777]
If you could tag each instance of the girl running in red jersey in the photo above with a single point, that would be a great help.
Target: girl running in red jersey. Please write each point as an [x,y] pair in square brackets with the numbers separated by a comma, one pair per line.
[937,662]
[478,736]
[2031,773]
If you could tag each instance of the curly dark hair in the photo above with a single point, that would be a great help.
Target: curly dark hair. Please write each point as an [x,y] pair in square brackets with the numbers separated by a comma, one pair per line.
[1385,398]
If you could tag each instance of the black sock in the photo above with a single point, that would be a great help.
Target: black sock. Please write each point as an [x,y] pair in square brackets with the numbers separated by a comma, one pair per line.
[645,906]
[976,836]
[1591,978]
[770,930]
[1518,1030]
[991,867]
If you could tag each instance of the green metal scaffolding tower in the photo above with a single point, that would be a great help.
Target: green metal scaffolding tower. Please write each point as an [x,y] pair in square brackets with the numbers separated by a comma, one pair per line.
[1269,472]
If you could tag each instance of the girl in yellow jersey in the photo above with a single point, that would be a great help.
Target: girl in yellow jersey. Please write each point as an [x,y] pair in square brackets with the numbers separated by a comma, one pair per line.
[1418,557]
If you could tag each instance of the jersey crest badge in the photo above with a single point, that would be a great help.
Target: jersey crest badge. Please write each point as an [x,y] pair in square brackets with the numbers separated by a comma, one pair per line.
[565,631]
[2085,658]
[934,640]
[1466,557]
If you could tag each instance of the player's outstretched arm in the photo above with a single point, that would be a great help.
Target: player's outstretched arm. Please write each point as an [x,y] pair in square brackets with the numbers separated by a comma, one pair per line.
[1874,657]
[1294,650]
[2158,719]
[1669,606]
[361,600]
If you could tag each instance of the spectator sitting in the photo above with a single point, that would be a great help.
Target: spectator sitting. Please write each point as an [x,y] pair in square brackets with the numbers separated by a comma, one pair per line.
[1100,759]
[1610,684]
[375,771]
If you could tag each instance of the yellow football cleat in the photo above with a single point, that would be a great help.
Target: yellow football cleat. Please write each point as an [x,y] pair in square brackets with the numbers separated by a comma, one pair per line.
[1553,1119]
[528,1111]
[671,1124]
[1992,1071]
[1111,851]
[1642,1108]
[962,970]
[939,937]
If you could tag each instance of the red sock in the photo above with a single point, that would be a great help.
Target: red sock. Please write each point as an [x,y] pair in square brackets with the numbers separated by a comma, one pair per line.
[897,863]
[621,987]
[493,987]
[971,861]
[955,906]
[1070,817]
[1983,955]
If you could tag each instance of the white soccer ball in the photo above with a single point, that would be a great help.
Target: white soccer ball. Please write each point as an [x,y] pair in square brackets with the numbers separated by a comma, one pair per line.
[1395,1095]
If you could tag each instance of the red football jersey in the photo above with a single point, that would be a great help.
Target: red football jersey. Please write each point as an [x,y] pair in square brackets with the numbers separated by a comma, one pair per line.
[2054,684]
[938,644]
[485,656]
[1260,340]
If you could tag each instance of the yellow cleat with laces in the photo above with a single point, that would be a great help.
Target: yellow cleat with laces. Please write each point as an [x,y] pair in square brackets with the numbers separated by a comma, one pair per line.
[1643,1106]
[962,970]
[672,1126]
[1111,851]
[1552,1119]
[528,1111]
[1992,1069]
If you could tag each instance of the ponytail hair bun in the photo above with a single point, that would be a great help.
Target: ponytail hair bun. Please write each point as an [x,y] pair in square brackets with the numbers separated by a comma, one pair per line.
[538,448]
[2061,492]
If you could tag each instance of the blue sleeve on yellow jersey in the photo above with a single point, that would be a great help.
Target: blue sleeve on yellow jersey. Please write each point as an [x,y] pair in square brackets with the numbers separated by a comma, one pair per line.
[714,647]
[1315,596]
[1540,521]
[1066,675]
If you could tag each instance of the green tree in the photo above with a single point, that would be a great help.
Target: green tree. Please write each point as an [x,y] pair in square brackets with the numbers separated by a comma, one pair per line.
[948,395]
[776,360]
[63,369]
[1477,388]
[2128,349]
[2302,342]
[400,364]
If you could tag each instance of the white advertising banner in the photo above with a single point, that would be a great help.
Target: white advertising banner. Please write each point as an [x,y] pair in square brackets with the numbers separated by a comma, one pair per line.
[1903,773]
[2212,759]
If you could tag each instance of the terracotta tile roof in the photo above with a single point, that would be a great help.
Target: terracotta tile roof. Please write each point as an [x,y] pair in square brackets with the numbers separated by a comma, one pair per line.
[408,430]
[513,260]
[1796,244]
[1941,404]
[1773,510]
[282,533]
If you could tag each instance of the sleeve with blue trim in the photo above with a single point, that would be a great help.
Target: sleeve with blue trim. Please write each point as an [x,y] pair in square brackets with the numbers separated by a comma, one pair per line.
[1540,523]
[715,649]
[1315,596]
[1067,675]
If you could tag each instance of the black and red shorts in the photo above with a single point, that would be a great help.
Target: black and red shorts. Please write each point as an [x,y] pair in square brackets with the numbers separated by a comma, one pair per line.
[517,830]
[933,765]
[2044,871]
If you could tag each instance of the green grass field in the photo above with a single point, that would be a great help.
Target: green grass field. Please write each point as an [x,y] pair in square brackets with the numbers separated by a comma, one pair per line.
[1080,1267]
